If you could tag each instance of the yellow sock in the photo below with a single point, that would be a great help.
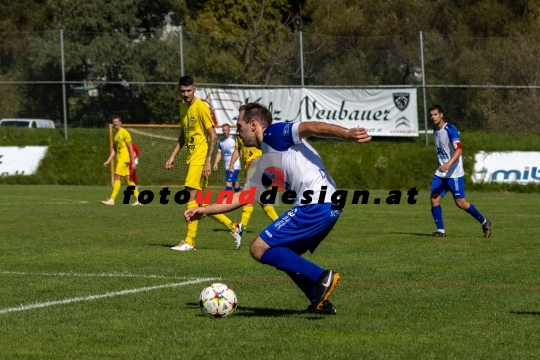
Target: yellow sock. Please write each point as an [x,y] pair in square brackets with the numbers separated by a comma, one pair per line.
[270,212]
[136,192]
[192,226]
[116,189]
[223,219]
[247,210]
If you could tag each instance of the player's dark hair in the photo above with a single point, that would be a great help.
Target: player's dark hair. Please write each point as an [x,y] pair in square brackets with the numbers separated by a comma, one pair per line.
[186,81]
[436,107]
[116,117]
[258,112]
[227,125]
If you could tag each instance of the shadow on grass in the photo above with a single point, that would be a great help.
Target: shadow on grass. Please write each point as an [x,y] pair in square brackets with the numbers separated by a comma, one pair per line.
[168,246]
[162,245]
[246,311]
[525,312]
[414,234]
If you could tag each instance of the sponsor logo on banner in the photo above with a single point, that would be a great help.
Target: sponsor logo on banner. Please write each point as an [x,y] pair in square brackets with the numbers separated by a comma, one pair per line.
[401,100]
[521,167]
[222,103]
[384,112]
[16,160]
[403,121]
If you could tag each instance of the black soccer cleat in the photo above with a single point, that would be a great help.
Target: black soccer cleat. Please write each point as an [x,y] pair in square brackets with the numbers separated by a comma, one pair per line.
[486,228]
[325,285]
[327,309]
[438,234]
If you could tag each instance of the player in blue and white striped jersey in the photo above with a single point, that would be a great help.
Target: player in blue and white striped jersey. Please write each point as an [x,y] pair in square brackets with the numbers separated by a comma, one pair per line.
[292,164]
[450,174]
[226,148]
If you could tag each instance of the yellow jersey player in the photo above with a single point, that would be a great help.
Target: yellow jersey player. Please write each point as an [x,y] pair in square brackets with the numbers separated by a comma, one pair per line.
[249,154]
[123,148]
[196,128]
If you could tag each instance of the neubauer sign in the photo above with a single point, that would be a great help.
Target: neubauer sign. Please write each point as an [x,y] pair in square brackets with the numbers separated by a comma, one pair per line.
[381,112]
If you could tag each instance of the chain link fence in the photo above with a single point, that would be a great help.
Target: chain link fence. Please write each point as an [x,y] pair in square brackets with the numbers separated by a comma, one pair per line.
[80,79]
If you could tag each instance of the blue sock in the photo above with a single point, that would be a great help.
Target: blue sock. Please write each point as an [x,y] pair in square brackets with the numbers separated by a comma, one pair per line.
[228,187]
[287,260]
[307,286]
[238,189]
[436,211]
[476,214]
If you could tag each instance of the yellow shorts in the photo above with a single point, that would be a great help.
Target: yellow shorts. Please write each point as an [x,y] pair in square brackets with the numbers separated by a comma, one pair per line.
[122,169]
[195,178]
[248,173]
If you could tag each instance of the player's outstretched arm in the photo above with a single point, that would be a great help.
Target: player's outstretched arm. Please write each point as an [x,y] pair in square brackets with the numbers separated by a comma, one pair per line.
[212,209]
[320,129]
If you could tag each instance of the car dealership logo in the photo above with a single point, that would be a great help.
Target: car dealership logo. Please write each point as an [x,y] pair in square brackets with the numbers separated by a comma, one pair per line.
[403,121]
[401,100]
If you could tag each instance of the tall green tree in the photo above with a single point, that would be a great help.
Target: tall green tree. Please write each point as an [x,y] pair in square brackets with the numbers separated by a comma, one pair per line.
[243,38]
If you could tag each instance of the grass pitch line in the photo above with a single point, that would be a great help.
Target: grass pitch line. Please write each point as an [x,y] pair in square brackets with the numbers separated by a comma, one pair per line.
[128,275]
[102,296]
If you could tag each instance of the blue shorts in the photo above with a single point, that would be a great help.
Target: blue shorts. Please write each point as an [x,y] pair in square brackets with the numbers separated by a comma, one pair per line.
[439,186]
[231,177]
[301,228]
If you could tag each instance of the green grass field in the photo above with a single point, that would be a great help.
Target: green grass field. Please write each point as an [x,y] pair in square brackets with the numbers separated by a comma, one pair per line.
[79,280]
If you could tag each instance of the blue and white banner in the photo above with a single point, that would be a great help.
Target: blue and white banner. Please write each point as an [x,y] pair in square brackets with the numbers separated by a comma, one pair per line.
[380,112]
[16,160]
[521,167]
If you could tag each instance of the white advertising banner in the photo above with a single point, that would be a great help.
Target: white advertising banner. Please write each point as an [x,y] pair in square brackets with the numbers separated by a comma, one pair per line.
[505,167]
[381,112]
[16,160]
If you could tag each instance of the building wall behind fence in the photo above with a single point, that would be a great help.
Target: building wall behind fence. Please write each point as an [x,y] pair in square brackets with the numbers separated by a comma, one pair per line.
[487,84]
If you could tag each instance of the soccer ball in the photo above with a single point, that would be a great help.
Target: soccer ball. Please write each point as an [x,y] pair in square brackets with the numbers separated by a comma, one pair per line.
[217,300]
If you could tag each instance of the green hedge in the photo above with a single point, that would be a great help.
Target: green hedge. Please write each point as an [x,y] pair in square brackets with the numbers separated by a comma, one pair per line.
[381,164]
[77,161]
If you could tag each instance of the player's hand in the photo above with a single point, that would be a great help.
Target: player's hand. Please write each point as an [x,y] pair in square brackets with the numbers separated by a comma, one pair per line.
[231,169]
[133,165]
[444,168]
[194,214]
[207,171]
[106,163]
[359,135]
[215,167]
[169,163]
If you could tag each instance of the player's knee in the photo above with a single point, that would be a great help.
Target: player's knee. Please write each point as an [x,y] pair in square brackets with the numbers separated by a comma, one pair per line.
[254,252]
[462,204]
[257,249]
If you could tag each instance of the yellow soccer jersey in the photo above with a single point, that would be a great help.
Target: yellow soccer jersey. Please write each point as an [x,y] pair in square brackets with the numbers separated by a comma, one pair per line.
[248,153]
[121,139]
[195,120]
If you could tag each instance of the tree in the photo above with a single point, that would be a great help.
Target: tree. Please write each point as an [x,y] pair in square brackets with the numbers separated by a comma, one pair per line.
[243,38]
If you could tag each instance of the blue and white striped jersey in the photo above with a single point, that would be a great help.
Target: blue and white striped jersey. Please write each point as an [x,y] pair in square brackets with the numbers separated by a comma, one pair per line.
[446,141]
[226,148]
[292,164]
